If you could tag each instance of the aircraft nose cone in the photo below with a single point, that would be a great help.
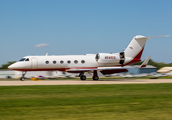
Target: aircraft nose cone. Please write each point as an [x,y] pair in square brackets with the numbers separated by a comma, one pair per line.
[13,66]
[10,67]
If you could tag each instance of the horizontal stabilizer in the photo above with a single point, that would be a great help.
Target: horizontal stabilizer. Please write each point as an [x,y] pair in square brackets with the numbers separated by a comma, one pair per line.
[143,37]
[145,62]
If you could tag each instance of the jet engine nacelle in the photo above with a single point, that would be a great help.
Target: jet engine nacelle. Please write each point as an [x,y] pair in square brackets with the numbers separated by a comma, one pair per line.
[107,58]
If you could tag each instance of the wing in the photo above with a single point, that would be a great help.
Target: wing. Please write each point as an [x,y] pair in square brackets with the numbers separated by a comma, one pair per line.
[103,70]
[107,70]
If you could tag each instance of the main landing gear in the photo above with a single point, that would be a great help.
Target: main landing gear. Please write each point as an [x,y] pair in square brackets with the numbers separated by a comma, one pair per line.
[95,76]
[23,74]
[82,76]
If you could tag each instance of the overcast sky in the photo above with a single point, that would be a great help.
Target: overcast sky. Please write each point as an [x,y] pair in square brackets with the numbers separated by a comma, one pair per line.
[57,27]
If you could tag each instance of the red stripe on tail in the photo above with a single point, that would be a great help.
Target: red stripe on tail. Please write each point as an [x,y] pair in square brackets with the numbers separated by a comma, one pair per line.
[136,58]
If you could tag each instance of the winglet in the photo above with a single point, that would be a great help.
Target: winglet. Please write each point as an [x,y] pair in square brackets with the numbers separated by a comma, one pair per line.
[145,62]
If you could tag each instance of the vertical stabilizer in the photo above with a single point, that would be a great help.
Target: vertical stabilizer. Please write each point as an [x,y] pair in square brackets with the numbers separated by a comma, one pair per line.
[135,47]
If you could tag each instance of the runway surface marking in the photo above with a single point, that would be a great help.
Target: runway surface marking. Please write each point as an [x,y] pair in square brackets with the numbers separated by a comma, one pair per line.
[87,82]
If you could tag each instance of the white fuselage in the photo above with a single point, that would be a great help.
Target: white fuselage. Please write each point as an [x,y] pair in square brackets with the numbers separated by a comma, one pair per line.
[65,62]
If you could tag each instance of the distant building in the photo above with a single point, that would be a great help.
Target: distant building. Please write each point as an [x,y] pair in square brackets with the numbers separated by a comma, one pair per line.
[165,70]
[147,69]
[5,73]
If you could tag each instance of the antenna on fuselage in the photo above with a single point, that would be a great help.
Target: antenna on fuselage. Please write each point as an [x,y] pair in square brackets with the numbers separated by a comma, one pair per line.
[46,54]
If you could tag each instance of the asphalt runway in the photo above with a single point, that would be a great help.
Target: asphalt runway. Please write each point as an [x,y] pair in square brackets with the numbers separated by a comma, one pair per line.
[87,82]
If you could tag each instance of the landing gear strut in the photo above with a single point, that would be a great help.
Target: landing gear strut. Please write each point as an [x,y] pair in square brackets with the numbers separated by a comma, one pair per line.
[23,74]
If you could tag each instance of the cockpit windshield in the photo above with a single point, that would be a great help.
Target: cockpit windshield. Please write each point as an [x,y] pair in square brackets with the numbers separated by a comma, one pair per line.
[24,59]
[27,59]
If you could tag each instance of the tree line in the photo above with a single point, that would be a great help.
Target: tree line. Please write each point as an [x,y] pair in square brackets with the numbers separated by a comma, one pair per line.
[5,66]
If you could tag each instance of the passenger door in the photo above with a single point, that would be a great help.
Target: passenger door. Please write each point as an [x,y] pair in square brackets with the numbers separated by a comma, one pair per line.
[34,63]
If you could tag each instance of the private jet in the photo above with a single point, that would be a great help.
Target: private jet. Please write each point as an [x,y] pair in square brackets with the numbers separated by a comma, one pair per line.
[106,63]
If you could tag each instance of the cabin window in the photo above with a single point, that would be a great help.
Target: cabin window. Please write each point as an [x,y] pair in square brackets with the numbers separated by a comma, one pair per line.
[47,62]
[61,61]
[54,62]
[82,61]
[68,61]
[76,61]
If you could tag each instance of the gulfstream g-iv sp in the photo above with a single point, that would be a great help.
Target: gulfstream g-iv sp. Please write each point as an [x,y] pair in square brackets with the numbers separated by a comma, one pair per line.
[106,63]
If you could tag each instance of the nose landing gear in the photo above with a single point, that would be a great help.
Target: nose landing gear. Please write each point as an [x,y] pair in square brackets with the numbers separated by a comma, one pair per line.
[23,74]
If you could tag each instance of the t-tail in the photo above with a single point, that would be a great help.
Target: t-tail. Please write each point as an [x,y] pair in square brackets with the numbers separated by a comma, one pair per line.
[132,54]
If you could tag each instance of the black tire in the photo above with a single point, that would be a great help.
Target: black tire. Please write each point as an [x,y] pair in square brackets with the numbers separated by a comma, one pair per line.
[83,77]
[96,78]
[22,78]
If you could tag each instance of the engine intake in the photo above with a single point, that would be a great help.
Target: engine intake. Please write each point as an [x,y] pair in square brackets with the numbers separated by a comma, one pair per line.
[122,58]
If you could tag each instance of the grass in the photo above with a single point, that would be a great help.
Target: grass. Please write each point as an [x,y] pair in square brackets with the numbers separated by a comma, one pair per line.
[86,102]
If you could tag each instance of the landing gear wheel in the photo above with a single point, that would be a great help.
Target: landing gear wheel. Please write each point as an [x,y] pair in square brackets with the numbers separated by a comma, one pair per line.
[22,78]
[96,78]
[83,77]
[23,74]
